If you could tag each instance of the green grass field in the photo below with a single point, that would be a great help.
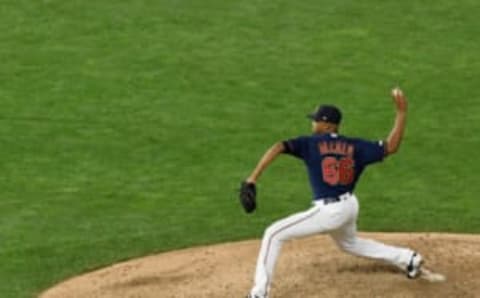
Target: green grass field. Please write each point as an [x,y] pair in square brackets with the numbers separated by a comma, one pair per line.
[126,126]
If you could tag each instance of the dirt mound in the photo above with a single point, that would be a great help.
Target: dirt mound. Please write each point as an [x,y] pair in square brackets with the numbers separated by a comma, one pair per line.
[311,267]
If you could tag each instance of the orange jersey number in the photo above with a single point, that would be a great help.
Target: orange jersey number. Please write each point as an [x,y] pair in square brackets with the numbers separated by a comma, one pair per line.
[338,171]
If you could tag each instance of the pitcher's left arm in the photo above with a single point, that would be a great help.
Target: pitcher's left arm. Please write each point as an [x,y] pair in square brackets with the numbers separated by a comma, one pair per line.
[265,161]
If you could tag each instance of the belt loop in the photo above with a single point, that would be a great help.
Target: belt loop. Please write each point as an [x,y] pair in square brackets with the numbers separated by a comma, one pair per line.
[345,196]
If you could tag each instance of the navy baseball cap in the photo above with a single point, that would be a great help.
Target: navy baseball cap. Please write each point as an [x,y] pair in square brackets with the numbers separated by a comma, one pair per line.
[326,113]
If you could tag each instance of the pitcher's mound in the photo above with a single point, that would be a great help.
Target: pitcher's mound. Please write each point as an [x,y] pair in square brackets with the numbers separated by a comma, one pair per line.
[312,267]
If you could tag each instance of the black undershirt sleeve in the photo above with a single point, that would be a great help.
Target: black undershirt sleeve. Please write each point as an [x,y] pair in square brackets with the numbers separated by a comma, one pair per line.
[287,147]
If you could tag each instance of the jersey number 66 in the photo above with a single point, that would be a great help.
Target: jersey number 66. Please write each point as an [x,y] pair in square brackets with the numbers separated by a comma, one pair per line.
[338,171]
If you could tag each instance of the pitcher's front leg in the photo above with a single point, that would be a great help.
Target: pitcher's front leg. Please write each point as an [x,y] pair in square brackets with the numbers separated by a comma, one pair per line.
[295,226]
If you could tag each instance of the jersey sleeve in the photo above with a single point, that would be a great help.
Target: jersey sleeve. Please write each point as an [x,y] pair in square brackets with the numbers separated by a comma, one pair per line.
[297,147]
[370,151]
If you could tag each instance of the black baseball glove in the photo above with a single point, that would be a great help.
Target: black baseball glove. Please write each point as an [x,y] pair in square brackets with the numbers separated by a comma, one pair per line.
[248,194]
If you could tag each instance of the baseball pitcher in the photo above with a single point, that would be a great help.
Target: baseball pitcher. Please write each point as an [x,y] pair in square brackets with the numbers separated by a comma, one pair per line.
[334,164]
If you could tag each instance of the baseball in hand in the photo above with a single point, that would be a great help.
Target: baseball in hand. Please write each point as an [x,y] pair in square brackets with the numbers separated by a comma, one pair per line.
[396,92]
[399,99]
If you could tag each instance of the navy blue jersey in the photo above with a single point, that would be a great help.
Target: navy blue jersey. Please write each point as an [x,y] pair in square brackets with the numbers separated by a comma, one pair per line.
[334,162]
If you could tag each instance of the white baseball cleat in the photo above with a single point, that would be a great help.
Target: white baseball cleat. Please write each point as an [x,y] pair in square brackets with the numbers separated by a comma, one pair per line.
[431,276]
[414,266]
[253,296]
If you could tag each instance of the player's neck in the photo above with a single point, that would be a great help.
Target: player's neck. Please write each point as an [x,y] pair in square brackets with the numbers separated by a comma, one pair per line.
[329,131]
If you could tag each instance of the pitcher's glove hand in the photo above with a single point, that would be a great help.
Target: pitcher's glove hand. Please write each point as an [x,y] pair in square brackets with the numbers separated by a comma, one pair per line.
[248,194]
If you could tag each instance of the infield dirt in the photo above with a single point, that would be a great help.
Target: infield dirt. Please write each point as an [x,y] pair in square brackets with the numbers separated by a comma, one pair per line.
[310,267]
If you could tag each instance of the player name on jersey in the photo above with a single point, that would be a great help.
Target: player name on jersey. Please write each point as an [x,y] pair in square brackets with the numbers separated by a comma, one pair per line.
[336,147]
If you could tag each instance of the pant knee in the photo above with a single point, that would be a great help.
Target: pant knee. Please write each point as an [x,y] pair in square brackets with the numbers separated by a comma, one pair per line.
[347,246]
[273,234]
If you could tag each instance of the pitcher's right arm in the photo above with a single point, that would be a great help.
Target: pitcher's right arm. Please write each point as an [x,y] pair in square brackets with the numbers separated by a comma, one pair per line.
[396,134]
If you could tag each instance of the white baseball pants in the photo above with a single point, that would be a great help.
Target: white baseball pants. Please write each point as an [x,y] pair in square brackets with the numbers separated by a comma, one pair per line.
[337,219]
